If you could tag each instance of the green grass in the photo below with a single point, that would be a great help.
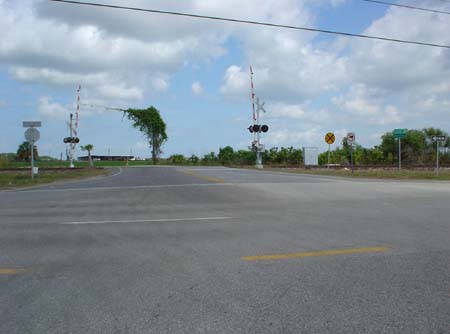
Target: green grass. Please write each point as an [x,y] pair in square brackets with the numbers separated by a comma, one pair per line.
[13,179]
[57,163]
[374,173]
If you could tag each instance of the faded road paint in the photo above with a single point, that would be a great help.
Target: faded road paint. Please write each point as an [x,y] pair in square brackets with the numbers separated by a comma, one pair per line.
[12,271]
[204,177]
[316,253]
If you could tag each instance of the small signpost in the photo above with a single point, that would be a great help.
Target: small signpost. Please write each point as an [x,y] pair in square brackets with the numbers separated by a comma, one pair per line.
[438,139]
[399,134]
[32,135]
[329,139]
[351,137]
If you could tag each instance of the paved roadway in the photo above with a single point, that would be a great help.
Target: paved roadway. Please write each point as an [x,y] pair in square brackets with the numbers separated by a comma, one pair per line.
[218,250]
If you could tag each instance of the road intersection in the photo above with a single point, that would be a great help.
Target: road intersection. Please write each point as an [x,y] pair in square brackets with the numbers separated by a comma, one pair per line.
[222,250]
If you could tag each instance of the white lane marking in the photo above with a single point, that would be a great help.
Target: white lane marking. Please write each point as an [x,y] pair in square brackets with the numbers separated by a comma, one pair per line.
[145,220]
[155,186]
[118,173]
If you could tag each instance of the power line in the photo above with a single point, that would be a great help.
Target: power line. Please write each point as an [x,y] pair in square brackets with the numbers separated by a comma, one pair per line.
[408,6]
[217,18]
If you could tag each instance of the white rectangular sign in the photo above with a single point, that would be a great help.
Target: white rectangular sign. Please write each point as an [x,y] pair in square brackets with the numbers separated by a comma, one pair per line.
[32,124]
[311,156]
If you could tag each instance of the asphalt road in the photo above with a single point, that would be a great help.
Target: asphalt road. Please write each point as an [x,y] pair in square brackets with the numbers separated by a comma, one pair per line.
[218,250]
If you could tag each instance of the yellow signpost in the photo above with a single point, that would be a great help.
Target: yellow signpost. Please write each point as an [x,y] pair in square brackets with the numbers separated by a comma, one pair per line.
[329,139]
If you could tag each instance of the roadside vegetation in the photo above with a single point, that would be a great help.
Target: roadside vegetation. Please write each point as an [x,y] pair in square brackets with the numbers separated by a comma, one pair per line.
[13,179]
[404,174]
[418,155]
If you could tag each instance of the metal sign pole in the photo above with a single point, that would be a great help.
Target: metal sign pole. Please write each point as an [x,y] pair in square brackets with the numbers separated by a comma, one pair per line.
[71,145]
[399,153]
[258,148]
[32,160]
[437,158]
[328,166]
[351,157]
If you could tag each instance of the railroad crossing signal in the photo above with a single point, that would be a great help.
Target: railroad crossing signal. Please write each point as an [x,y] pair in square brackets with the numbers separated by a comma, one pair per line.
[258,128]
[73,140]
[330,138]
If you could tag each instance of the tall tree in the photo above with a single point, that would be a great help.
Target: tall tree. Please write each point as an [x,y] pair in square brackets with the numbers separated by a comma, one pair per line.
[149,122]
[24,152]
[89,148]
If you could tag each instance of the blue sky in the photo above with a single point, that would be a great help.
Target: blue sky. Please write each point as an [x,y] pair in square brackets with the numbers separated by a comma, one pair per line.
[196,72]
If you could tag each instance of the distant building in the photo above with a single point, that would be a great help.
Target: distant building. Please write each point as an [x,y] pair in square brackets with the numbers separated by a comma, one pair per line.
[108,158]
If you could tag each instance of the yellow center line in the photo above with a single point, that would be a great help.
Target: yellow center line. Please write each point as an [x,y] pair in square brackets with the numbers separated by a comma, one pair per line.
[316,253]
[12,271]
[203,177]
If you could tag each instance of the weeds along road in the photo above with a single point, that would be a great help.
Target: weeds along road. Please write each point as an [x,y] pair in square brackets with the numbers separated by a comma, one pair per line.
[219,250]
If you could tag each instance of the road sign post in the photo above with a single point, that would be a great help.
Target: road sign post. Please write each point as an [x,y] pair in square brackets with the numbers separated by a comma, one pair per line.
[328,164]
[329,139]
[32,160]
[350,139]
[438,140]
[32,135]
[437,158]
[399,134]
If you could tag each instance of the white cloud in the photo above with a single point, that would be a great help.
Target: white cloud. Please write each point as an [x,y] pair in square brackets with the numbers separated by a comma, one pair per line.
[367,106]
[236,83]
[118,56]
[291,137]
[197,88]
[51,109]
[112,52]
[120,92]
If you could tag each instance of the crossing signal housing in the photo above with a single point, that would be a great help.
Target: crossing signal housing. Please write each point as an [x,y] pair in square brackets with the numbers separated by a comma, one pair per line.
[72,140]
[258,128]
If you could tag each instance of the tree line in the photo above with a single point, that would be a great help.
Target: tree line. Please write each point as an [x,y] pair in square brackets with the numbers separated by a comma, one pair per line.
[229,157]
[417,148]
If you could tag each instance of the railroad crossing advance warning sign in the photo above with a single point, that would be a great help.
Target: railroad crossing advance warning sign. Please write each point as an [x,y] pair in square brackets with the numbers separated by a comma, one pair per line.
[330,138]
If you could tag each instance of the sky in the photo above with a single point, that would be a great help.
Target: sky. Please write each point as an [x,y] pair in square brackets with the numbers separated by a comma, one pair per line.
[196,72]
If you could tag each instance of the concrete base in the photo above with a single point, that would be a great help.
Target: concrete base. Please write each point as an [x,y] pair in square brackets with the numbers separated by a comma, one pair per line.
[259,166]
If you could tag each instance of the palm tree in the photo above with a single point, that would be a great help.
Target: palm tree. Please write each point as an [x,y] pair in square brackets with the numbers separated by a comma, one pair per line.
[24,152]
[88,148]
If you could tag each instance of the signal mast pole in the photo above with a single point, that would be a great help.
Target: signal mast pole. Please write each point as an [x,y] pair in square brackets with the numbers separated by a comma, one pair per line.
[71,145]
[256,134]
